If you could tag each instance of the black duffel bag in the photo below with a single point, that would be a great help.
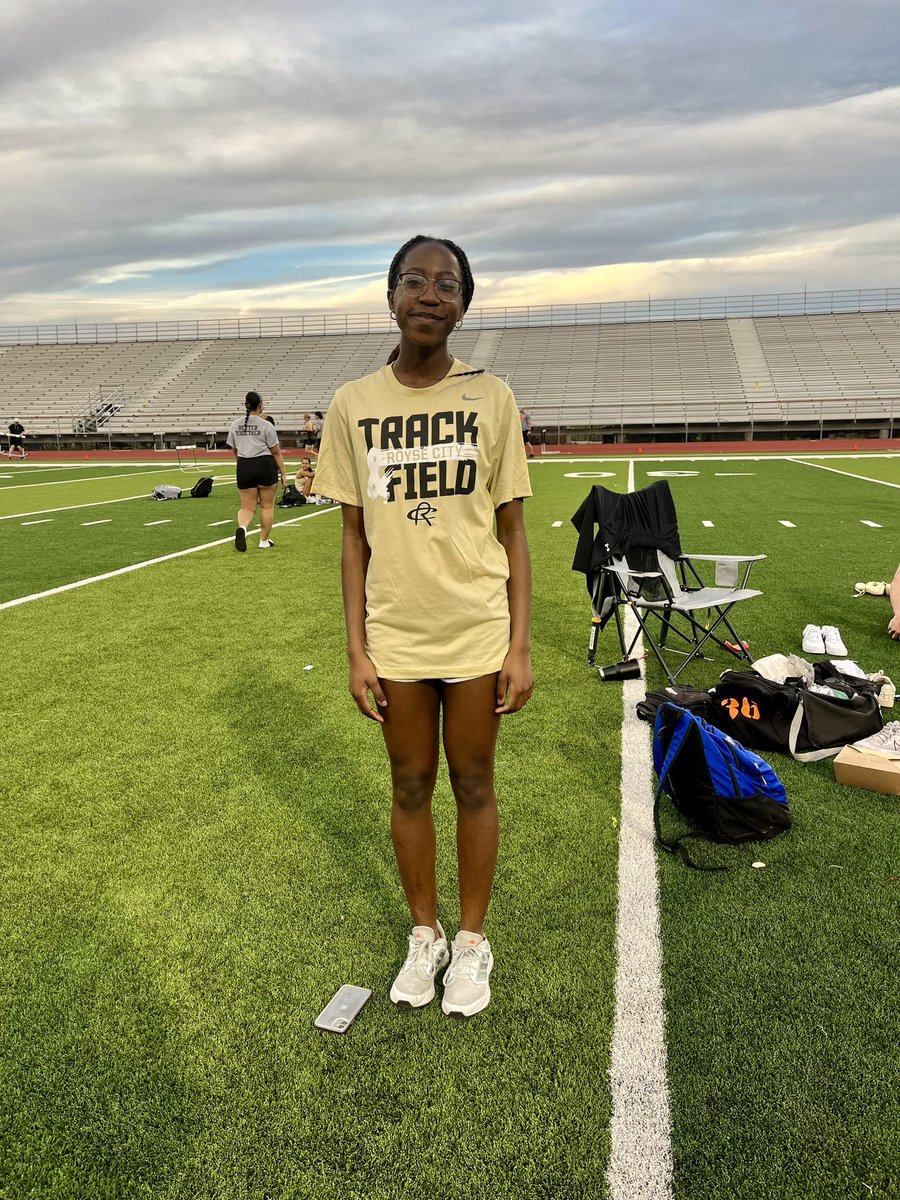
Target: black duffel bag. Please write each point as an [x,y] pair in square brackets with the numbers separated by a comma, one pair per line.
[789,718]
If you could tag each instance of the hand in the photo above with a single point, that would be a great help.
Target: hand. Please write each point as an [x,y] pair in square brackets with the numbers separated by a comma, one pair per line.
[363,681]
[894,628]
[515,683]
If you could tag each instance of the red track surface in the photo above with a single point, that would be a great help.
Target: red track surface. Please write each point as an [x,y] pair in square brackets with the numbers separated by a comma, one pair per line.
[609,450]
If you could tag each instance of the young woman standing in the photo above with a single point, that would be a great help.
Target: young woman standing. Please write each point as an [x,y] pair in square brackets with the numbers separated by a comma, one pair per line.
[427,460]
[259,463]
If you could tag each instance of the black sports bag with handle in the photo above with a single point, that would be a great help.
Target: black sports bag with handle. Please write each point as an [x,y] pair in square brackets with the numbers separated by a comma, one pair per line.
[789,718]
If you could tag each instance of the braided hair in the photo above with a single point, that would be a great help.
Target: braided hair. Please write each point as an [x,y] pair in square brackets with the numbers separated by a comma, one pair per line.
[468,283]
[252,401]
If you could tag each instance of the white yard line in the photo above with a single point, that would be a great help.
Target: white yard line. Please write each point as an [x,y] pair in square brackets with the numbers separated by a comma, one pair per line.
[70,507]
[45,521]
[850,475]
[708,525]
[105,521]
[150,562]
[557,524]
[640,1161]
[871,524]
[165,521]
[91,479]
[788,524]
[90,504]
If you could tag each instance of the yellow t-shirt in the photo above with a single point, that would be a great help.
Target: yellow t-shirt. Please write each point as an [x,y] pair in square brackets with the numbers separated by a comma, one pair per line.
[428,467]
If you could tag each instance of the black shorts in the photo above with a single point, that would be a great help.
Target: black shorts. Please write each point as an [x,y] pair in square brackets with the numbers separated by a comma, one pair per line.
[257,472]
[15,441]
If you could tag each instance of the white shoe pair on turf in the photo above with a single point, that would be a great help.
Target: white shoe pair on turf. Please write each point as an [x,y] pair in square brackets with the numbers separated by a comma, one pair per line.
[873,588]
[466,984]
[823,639]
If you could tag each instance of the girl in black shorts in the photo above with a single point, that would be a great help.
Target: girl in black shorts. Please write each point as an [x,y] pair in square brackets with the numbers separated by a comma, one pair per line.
[259,463]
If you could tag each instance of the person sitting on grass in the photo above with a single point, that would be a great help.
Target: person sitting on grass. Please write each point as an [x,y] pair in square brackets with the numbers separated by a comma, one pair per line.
[305,477]
[894,623]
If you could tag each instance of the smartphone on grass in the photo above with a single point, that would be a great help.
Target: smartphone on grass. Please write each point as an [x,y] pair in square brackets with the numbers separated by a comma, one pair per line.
[338,1014]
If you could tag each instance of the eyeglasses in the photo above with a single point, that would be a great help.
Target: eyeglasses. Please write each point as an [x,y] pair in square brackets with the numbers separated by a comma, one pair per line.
[414,285]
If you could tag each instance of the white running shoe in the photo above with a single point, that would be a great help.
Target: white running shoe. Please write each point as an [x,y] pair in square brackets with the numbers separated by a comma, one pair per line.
[886,741]
[266,545]
[466,985]
[427,955]
[834,645]
[813,641]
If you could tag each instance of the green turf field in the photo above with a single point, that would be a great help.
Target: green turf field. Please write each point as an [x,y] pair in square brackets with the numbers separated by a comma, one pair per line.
[197,855]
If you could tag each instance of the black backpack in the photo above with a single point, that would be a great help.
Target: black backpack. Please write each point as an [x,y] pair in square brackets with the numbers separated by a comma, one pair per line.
[203,486]
[291,497]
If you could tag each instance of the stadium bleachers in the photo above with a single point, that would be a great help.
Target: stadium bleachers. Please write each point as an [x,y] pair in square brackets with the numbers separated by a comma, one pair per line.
[740,373]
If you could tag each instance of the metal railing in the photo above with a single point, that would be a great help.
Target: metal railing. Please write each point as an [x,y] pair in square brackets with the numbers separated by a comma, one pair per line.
[612,312]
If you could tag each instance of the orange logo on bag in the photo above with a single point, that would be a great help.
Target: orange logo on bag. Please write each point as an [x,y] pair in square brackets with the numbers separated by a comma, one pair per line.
[747,708]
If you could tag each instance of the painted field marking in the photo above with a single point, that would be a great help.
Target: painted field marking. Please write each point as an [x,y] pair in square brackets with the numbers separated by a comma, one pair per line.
[708,525]
[788,524]
[105,521]
[46,521]
[227,521]
[557,524]
[62,482]
[71,507]
[88,504]
[850,475]
[640,1159]
[165,521]
[872,524]
[151,562]
[734,474]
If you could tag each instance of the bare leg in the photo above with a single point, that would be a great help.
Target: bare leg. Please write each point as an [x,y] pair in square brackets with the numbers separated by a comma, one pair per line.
[470,737]
[411,736]
[267,510]
[249,500]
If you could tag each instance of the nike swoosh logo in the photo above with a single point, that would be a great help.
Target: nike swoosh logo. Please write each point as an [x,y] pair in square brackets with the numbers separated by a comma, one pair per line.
[472,399]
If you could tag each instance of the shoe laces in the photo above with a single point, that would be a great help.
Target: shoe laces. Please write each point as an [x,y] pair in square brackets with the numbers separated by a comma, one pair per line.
[465,961]
[420,955]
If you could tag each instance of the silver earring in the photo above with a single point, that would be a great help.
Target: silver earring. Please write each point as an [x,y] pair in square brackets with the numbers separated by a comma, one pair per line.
[459,324]
[393,315]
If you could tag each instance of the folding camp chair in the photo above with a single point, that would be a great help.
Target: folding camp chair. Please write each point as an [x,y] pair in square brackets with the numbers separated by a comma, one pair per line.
[635,560]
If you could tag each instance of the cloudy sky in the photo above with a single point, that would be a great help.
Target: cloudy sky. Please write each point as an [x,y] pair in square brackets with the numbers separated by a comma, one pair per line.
[187,158]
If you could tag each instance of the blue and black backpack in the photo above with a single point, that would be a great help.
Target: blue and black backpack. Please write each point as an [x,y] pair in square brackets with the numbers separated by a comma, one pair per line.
[729,792]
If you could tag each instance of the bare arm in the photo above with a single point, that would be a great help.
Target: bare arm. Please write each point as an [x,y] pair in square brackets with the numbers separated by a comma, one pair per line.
[515,682]
[355,555]
[279,462]
[894,623]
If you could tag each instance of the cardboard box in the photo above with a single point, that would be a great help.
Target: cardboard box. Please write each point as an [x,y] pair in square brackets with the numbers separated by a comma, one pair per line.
[876,772]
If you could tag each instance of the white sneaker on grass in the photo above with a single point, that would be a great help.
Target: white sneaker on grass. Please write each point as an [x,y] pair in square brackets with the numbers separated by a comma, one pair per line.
[886,741]
[834,644]
[467,989]
[266,545]
[427,955]
[813,641]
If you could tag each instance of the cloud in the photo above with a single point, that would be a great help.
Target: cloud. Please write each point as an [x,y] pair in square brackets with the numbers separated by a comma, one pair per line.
[150,150]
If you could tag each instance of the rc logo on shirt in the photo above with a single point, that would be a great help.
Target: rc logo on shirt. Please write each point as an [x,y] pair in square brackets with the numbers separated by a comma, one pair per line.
[421,457]
[422,512]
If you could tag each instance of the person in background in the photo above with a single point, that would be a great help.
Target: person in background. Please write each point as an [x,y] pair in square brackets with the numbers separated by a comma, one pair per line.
[16,438]
[894,623]
[526,432]
[426,459]
[309,433]
[305,477]
[317,430]
[259,463]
